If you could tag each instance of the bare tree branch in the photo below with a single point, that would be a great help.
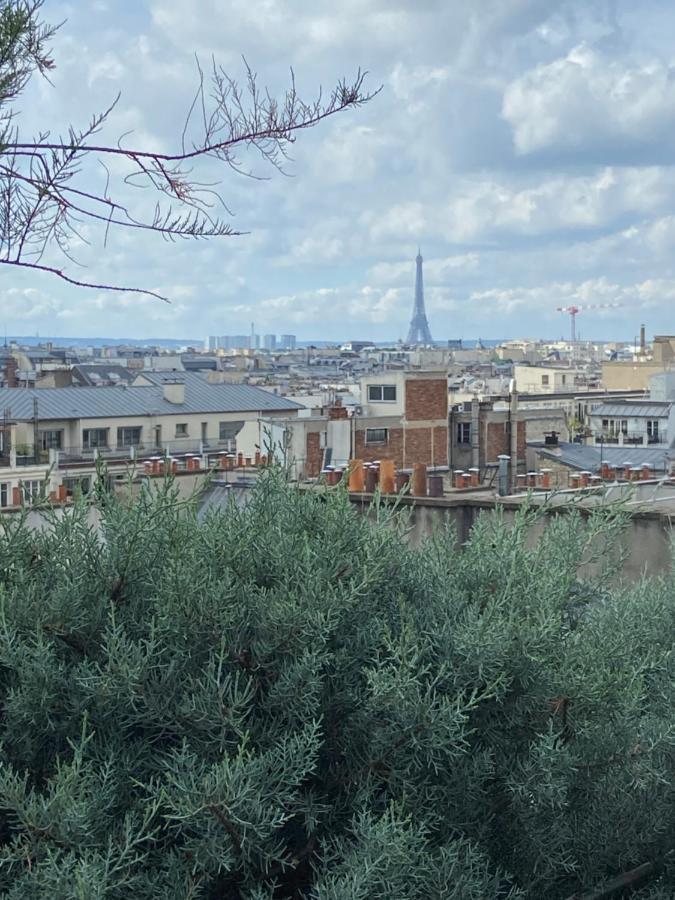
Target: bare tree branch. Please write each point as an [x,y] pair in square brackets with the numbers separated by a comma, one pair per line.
[47,192]
[79,283]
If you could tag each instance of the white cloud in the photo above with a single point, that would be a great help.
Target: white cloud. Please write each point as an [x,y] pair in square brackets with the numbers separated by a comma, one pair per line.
[435,269]
[526,145]
[484,208]
[632,299]
[587,99]
[109,66]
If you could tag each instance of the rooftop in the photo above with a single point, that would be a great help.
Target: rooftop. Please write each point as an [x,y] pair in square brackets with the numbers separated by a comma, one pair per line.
[123,402]
[94,374]
[588,458]
[649,409]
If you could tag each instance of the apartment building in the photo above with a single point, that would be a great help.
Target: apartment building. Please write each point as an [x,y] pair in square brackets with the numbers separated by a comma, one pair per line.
[547,379]
[482,430]
[403,416]
[55,437]
[640,423]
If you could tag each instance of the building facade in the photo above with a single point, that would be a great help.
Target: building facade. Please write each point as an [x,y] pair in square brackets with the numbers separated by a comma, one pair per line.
[403,416]
[58,437]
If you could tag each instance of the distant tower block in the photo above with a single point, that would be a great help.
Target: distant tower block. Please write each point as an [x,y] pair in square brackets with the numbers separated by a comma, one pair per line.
[419,333]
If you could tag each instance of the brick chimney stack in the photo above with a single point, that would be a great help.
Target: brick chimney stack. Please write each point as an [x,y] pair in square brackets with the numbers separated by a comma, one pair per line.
[11,372]
[337,411]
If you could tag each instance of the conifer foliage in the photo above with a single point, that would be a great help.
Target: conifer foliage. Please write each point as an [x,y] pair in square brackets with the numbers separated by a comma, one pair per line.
[284,699]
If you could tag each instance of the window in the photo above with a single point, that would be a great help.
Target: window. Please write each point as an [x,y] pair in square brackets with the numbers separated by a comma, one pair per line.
[653,431]
[76,486]
[614,426]
[382,393]
[377,435]
[31,491]
[181,429]
[464,432]
[128,437]
[564,379]
[228,431]
[544,379]
[51,440]
[93,438]
[5,493]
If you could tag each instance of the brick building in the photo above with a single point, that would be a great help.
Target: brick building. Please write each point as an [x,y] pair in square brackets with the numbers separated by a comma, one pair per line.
[479,432]
[403,416]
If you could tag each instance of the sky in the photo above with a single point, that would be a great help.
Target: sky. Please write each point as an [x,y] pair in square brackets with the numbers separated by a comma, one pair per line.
[527,147]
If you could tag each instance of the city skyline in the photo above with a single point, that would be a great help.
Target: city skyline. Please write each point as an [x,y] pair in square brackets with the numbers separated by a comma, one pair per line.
[527,150]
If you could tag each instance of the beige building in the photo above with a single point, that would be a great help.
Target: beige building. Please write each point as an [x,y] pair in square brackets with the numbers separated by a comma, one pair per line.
[547,379]
[402,416]
[630,375]
[60,434]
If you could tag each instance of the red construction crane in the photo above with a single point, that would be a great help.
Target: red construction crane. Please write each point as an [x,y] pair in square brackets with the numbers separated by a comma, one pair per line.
[573,310]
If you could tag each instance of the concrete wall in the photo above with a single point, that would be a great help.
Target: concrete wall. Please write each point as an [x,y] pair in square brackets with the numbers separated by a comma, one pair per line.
[384,407]
[544,379]
[625,376]
[646,543]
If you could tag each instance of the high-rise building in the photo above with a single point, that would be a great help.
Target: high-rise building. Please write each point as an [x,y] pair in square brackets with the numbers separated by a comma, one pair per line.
[270,342]
[234,342]
[419,332]
[288,342]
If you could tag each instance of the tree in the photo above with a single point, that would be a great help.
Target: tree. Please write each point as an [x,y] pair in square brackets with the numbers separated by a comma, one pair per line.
[44,197]
[284,699]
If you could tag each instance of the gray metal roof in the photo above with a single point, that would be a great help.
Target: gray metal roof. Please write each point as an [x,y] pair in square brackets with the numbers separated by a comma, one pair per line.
[650,409]
[36,354]
[120,402]
[586,458]
[162,376]
[93,373]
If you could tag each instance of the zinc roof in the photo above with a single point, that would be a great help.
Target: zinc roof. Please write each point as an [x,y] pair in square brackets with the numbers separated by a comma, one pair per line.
[650,409]
[93,373]
[587,458]
[120,402]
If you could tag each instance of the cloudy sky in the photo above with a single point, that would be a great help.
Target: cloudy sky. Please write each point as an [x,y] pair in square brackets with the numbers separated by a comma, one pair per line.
[527,146]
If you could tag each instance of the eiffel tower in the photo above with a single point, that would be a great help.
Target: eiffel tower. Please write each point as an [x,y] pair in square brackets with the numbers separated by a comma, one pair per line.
[419,333]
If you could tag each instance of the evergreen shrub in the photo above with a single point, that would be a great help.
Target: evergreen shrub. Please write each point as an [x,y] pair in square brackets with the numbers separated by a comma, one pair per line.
[285,699]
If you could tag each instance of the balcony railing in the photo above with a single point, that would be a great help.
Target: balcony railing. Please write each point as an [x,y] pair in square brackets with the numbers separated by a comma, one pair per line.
[176,447]
[632,438]
[26,455]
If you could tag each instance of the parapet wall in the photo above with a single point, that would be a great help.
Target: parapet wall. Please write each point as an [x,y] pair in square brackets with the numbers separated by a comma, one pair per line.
[646,542]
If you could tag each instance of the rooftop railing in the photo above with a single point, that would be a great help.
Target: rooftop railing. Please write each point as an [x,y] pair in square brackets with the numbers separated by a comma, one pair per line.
[633,438]
[129,452]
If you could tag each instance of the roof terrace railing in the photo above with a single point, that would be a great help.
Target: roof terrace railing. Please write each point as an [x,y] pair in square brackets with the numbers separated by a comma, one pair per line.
[141,451]
[634,438]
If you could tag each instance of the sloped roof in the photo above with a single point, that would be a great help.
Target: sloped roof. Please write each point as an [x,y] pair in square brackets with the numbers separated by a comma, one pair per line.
[92,373]
[586,458]
[651,409]
[120,402]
